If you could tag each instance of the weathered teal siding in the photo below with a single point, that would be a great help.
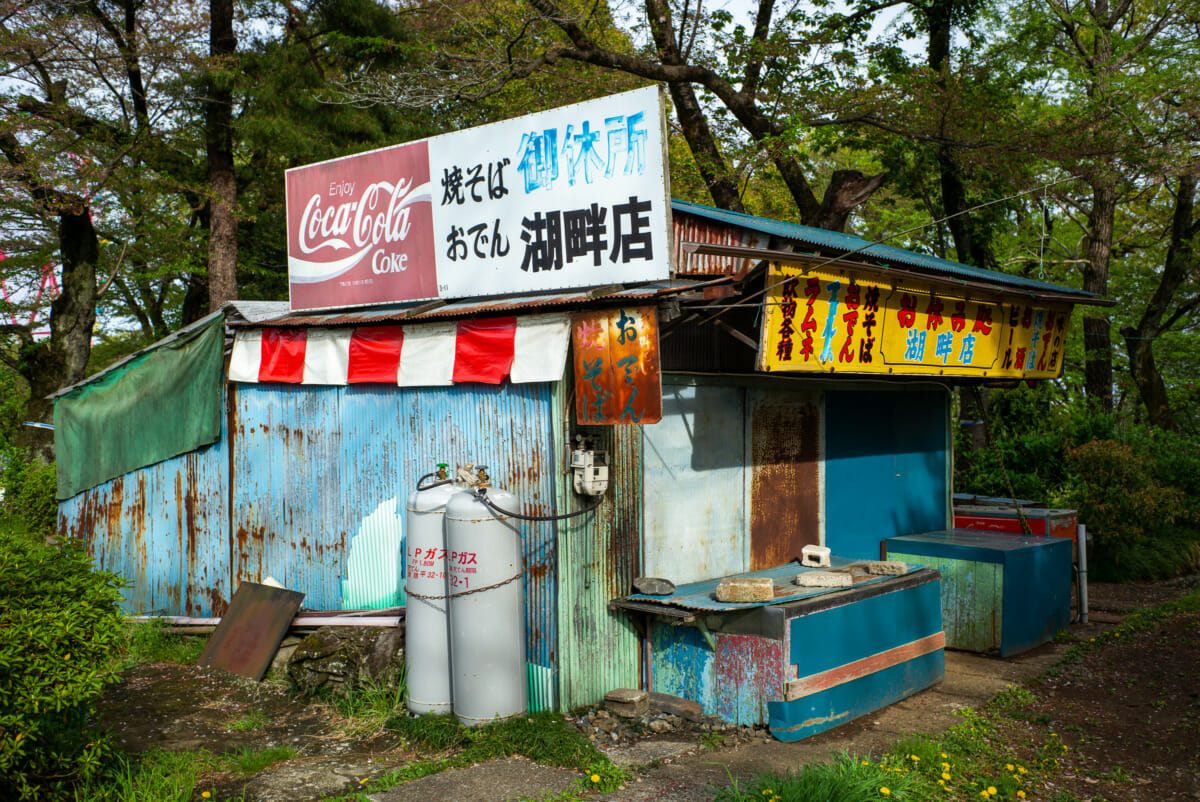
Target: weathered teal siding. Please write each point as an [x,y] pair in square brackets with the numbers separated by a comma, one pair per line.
[312,464]
[598,561]
[165,528]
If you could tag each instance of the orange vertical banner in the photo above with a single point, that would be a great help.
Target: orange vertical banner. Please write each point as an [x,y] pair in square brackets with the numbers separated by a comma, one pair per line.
[617,377]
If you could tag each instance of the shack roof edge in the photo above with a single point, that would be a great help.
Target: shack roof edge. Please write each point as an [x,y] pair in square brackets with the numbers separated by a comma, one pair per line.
[848,245]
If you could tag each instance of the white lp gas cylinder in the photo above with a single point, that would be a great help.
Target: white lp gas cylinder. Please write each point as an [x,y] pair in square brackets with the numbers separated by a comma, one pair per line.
[427,629]
[487,608]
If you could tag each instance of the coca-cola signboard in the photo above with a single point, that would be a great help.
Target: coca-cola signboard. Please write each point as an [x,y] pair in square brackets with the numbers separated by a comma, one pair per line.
[572,197]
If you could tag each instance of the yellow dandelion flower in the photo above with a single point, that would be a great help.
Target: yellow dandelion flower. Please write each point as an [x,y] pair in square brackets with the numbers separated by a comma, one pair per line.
[914,757]
[885,791]
[944,754]
[1020,794]
[941,782]
[866,762]
[205,794]
[1009,766]
[1022,770]
[363,781]
[992,790]
[945,775]
[596,778]
[985,795]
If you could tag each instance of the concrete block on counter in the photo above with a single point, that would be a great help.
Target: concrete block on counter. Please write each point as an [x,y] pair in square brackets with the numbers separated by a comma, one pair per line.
[824,579]
[750,589]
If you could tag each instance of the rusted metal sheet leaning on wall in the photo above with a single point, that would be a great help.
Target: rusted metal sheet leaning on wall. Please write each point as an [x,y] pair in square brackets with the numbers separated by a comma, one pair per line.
[165,528]
[312,463]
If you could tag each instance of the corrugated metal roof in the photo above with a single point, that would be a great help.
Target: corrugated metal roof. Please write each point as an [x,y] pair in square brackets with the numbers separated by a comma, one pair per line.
[468,307]
[847,244]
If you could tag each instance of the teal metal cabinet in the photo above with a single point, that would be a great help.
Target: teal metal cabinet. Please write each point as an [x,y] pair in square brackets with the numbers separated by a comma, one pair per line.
[1000,592]
[801,666]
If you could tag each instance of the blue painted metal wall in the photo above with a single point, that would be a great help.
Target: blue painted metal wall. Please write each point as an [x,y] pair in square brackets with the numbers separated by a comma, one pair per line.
[165,528]
[311,464]
[849,635]
[735,681]
[887,465]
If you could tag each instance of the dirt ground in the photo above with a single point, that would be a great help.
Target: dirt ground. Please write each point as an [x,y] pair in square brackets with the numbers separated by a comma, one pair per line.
[1129,714]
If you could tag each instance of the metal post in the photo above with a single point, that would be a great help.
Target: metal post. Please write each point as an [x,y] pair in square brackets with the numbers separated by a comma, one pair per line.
[1081,537]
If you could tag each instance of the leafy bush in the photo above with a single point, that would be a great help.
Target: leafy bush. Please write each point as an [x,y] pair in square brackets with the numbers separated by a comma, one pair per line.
[59,624]
[36,505]
[1117,493]
[1136,487]
[29,493]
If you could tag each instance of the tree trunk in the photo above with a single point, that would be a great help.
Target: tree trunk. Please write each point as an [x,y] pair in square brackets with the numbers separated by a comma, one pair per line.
[1139,339]
[222,232]
[709,160]
[1097,338]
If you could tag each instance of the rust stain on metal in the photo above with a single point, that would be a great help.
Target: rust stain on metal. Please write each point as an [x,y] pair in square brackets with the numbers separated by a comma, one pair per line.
[250,631]
[692,229]
[785,494]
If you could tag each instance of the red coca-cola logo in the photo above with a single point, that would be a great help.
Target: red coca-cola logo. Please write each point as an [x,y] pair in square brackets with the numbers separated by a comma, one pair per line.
[360,230]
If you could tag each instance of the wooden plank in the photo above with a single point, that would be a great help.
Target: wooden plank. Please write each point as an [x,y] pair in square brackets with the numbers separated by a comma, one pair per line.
[815,683]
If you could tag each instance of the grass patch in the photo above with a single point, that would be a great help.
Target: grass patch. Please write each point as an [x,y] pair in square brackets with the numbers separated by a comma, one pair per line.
[154,777]
[845,779]
[368,707]
[253,720]
[252,761]
[150,642]
[544,738]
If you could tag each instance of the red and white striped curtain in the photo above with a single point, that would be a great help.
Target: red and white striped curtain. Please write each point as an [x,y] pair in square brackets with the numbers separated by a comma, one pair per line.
[525,349]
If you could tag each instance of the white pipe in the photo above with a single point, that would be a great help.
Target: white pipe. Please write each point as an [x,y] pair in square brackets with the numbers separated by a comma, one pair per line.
[298,621]
[1081,538]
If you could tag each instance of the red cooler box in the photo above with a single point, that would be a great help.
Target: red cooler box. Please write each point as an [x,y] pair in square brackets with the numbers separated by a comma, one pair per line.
[1055,523]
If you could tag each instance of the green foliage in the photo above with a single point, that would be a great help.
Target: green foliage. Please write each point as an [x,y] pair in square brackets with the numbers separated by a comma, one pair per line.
[251,721]
[1115,490]
[59,626]
[35,504]
[1136,487]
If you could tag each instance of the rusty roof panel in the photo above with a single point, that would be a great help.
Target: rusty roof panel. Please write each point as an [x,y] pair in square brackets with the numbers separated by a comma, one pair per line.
[245,641]
[690,228]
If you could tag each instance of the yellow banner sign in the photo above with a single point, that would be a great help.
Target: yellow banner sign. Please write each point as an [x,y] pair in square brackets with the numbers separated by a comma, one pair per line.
[843,322]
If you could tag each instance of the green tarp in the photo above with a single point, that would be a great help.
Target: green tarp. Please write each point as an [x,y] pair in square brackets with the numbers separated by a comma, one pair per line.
[163,403]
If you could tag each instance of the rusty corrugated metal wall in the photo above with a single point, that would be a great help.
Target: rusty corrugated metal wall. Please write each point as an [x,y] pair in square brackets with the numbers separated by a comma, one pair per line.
[599,556]
[690,228]
[165,528]
[312,463]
